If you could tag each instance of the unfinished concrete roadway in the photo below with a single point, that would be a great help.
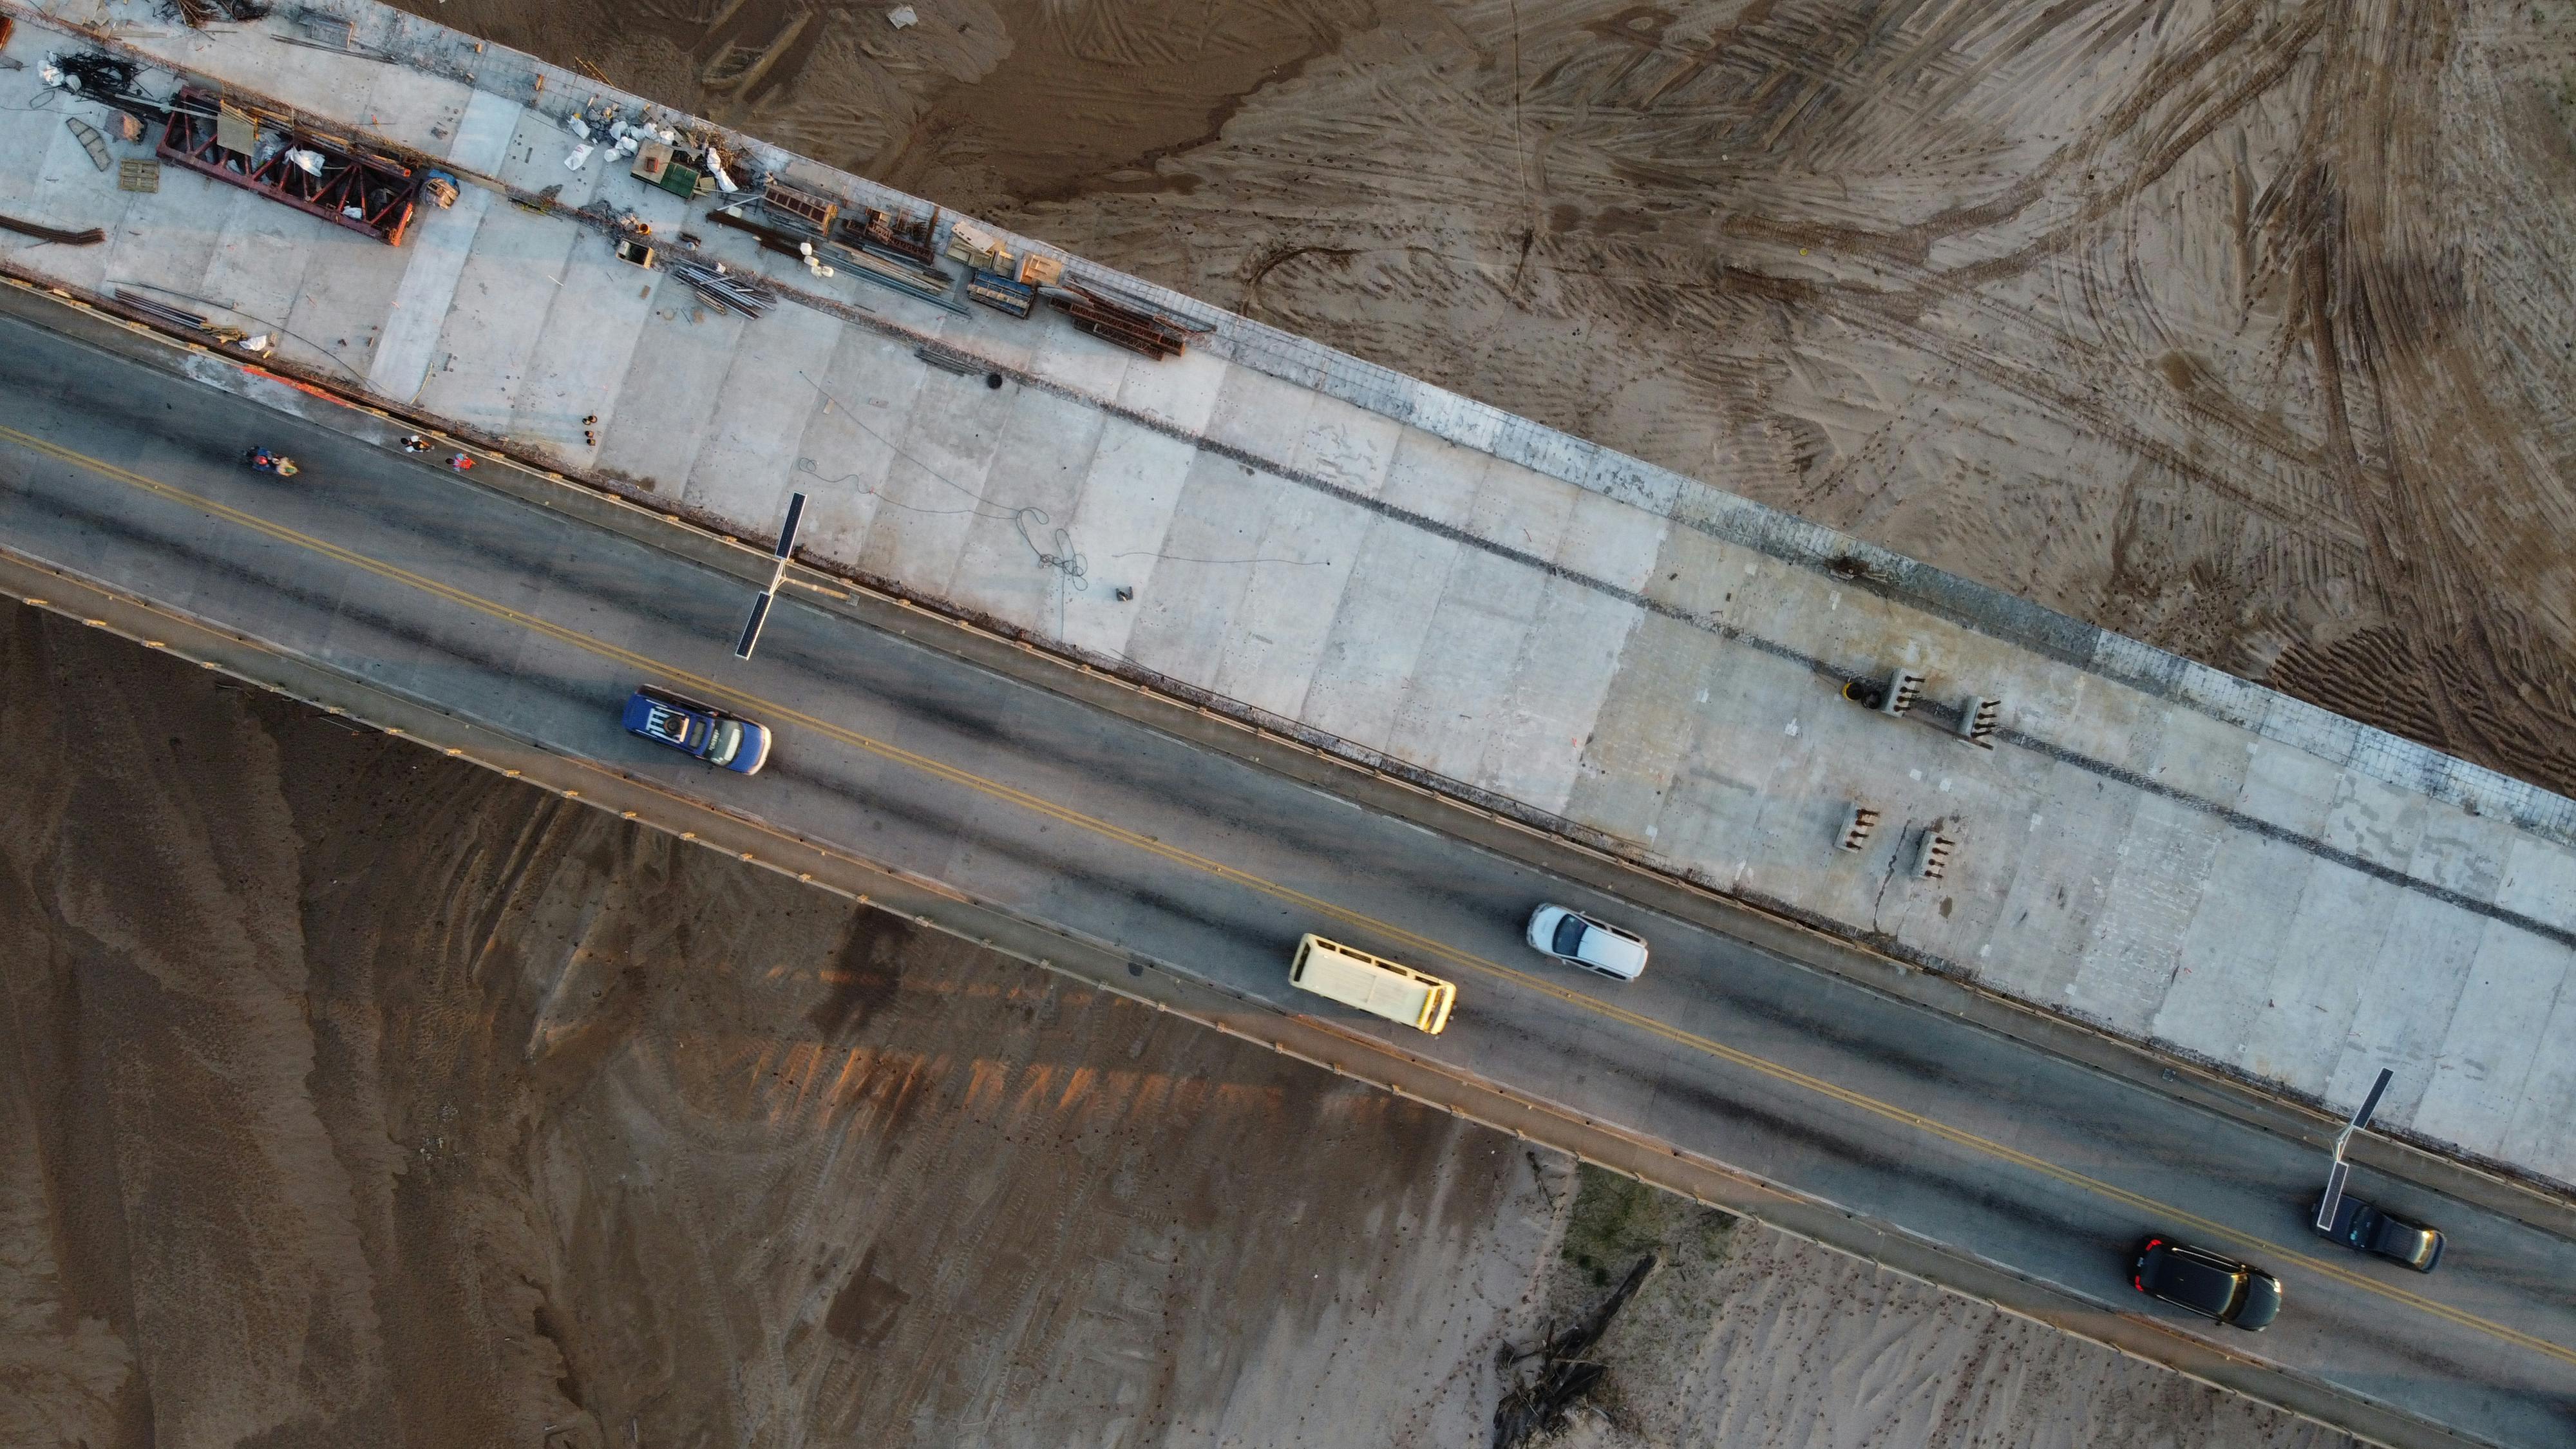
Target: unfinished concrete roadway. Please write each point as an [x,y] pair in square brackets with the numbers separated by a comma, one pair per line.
[1861,1118]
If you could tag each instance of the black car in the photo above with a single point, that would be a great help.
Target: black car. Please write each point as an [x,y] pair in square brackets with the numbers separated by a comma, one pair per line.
[2209,1284]
[2363,1228]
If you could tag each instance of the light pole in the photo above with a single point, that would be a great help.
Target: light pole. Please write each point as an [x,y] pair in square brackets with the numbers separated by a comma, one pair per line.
[777,578]
[2341,1169]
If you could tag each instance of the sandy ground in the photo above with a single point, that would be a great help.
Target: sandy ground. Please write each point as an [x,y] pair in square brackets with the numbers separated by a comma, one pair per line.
[353,1095]
[1752,1339]
[2238,325]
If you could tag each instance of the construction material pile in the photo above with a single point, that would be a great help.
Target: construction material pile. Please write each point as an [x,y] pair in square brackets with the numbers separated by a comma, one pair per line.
[728,291]
[106,79]
[198,14]
[162,312]
[1134,327]
[371,194]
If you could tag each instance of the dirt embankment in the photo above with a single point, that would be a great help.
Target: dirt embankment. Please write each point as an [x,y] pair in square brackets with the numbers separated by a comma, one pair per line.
[2237,325]
[349,1094]
[1753,1339]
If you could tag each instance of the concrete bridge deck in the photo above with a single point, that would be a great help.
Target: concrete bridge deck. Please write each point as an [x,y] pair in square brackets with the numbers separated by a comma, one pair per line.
[1401,575]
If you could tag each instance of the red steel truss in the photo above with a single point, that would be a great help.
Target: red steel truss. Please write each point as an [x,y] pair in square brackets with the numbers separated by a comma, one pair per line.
[384,192]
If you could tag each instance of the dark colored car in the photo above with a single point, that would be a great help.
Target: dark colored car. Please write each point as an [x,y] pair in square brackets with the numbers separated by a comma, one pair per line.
[701,731]
[2209,1284]
[2364,1228]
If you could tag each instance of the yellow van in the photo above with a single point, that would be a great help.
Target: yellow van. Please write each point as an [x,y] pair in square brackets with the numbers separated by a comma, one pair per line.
[1372,983]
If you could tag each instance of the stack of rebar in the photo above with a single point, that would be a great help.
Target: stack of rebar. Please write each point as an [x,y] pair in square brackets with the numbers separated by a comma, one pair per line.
[727,290]
[1131,327]
[87,236]
[161,312]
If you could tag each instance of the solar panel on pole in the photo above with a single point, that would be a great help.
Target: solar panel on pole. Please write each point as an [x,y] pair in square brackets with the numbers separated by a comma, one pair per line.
[2336,1174]
[796,515]
[751,626]
[2334,1195]
[784,551]
[2370,1103]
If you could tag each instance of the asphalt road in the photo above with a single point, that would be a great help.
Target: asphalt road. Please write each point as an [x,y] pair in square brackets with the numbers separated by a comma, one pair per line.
[394,571]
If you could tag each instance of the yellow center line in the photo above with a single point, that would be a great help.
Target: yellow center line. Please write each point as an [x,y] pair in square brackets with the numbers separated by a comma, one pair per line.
[1424,945]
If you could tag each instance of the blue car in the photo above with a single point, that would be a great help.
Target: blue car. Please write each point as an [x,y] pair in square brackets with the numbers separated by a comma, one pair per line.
[700,731]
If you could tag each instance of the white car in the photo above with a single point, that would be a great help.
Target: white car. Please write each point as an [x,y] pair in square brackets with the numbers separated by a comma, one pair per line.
[1596,946]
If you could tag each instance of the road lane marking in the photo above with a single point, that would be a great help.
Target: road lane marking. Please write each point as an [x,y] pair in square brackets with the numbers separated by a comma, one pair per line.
[1039,805]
